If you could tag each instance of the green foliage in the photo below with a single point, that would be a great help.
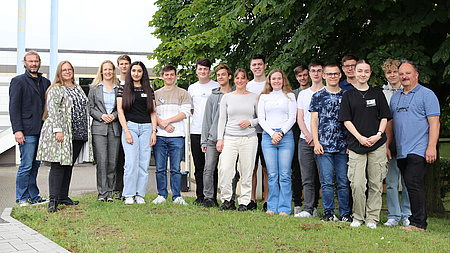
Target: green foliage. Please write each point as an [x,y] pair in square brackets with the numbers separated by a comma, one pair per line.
[445,176]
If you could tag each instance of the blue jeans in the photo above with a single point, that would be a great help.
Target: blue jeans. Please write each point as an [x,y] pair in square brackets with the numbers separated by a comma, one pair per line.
[165,147]
[278,161]
[396,210]
[26,186]
[331,163]
[137,159]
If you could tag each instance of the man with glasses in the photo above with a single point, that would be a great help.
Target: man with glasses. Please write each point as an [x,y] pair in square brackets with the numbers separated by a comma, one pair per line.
[309,166]
[348,66]
[26,106]
[415,106]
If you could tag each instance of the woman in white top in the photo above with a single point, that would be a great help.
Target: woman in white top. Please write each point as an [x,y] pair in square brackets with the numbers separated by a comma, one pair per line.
[236,135]
[277,110]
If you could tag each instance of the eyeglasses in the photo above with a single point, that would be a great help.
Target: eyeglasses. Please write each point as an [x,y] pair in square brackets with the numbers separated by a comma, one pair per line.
[332,74]
[316,71]
[349,66]
[66,70]
[404,109]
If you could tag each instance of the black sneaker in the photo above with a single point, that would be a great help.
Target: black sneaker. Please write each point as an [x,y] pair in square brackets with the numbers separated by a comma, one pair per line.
[68,202]
[252,205]
[198,202]
[265,207]
[227,205]
[209,203]
[347,218]
[328,216]
[242,208]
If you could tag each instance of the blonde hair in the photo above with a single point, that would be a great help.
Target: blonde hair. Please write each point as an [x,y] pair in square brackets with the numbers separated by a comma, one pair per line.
[390,64]
[286,86]
[99,77]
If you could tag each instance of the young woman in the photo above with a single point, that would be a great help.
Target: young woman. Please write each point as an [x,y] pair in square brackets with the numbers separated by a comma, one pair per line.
[277,109]
[65,131]
[365,112]
[137,116]
[237,136]
[105,128]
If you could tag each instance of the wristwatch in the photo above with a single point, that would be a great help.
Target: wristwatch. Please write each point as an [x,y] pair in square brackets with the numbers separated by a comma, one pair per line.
[379,133]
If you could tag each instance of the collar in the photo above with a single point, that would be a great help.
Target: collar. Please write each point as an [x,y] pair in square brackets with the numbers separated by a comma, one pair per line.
[416,89]
[32,77]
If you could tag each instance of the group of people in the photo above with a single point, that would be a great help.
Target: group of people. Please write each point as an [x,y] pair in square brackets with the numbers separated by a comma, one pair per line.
[303,138]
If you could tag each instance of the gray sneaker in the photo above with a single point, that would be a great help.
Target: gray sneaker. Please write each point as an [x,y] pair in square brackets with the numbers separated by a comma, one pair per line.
[315,213]
[297,210]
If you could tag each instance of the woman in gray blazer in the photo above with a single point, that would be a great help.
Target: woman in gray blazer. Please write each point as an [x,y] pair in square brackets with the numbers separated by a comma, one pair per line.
[105,128]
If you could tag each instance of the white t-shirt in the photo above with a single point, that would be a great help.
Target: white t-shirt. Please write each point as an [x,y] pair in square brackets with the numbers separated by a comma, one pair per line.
[303,101]
[255,87]
[198,94]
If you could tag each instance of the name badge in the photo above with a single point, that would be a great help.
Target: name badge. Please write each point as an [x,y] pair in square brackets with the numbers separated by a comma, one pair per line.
[162,100]
[205,95]
[370,103]
[143,95]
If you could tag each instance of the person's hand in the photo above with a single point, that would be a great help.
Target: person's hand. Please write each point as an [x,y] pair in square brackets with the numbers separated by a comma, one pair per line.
[276,138]
[105,118]
[153,139]
[59,136]
[309,139]
[204,149]
[219,145]
[364,141]
[318,149]
[388,153]
[19,137]
[169,128]
[431,154]
[374,139]
[164,123]
[244,124]
[129,138]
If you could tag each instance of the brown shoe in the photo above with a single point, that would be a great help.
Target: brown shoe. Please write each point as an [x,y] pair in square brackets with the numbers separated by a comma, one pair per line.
[413,228]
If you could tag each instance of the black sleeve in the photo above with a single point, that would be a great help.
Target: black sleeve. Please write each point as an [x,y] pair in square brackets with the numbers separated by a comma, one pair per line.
[345,112]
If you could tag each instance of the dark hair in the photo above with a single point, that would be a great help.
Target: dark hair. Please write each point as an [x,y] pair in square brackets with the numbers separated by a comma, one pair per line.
[315,63]
[258,56]
[241,70]
[331,65]
[204,62]
[349,57]
[124,57]
[413,64]
[300,68]
[361,62]
[168,68]
[128,96]
[223,66]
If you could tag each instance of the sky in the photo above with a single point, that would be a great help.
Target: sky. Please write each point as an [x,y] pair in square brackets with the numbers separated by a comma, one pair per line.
[111,25]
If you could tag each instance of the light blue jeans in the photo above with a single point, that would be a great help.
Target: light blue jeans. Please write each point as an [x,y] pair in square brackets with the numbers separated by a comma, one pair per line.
[396,210]
[26,186]
[137,159]
[278,161]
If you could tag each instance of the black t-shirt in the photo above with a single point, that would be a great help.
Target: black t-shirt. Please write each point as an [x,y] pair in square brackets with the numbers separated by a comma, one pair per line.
[138,111]
[364,109]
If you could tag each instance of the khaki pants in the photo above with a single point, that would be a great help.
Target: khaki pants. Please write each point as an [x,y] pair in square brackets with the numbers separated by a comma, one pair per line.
[375,164]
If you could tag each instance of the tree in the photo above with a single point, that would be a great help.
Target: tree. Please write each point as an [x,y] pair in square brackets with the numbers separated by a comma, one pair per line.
[293,32]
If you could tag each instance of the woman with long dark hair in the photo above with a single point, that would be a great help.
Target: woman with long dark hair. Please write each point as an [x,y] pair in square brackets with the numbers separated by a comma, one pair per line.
[137,116]
[66,129]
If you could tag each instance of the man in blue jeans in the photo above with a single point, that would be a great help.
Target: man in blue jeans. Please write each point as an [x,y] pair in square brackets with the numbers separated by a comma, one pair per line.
[26,106]
[172,107]
[415,111]
[330,144]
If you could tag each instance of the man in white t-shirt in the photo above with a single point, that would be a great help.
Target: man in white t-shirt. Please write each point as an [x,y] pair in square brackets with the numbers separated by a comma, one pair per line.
[309,166]
[198,94]
[258,67]
[123,64]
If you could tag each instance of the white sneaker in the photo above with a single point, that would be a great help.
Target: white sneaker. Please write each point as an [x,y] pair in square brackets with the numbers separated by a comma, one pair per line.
[315,212]
[371,225]
[23,203]
[129,201]
[297,210]
[406,222]
[159,200]
[139,199]
[180,201]
[391,223]
[304,214]
[355,224]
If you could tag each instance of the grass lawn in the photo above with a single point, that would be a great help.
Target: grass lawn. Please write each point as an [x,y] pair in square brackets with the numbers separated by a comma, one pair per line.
[95,226]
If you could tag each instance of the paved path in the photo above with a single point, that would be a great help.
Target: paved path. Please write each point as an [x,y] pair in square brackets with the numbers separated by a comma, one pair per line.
[15,236]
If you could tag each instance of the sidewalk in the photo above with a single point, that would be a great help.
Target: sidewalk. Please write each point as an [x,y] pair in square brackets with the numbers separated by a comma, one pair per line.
[16,237]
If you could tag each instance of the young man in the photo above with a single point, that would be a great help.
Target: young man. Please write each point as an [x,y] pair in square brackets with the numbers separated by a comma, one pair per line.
[123,64]
[209,134]
[309,166]
[302,76]
[348,66]
[397,212]
[330,144]
[258,67]
[198,94]
[172,107]
[26,106]
[416,113]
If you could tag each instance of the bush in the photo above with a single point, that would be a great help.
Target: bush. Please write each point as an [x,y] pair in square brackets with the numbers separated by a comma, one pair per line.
[445,176]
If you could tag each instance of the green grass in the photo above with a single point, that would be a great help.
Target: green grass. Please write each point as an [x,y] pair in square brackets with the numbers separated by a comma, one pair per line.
[95,226]
[444,150]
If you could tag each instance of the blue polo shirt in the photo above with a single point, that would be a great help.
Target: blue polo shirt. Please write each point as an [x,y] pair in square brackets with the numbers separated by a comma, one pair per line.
[410,114]
[346,85]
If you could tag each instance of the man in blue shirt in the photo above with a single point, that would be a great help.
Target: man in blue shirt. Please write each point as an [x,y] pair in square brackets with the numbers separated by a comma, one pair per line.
[348,66]
[415,106]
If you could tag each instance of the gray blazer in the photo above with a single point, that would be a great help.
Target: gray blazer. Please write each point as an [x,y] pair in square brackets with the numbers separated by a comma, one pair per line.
[97,109]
